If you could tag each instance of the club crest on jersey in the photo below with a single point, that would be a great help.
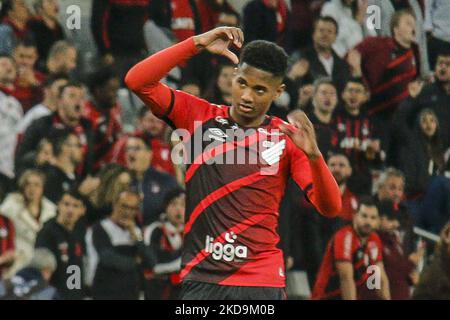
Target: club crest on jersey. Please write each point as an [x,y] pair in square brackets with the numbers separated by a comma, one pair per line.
[227,251]
[273,154]
[217,134]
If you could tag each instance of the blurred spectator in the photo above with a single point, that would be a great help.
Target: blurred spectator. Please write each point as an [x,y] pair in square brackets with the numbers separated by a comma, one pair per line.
[192,87]
[400,268]
[219,91]
[152,129]
[165,238]
[28,210]
[117,253]
[15,14]
[341,170]
[152,184]
[117,27]
[32,282]
[320,113]
[28,84]
[350,16]
[67,116]
[429,151]
[435,96]
[210,12]
[114,178]
[434,283]
[45,27]
[10,115]
[357,136]
[265,20]
[62,58]
[48,105]
[179,17]
[388,64]
[103,112]
[300,23]
[438,25]
[203,66]
[7,244]
[58,236]
[320,60]
[343,273]
[61,175]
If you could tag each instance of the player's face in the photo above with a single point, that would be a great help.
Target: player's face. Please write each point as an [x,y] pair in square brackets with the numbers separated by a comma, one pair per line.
[392,189]
[443,68]
[175,210]
[70,210]
[406,29]
[428,125]
[354,96]
[388,225]
[366,220]
[253,91]
[324,34]
[340,168]
[325,98]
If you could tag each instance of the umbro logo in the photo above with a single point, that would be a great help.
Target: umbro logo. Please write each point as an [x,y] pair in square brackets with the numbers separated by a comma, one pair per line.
[273,154]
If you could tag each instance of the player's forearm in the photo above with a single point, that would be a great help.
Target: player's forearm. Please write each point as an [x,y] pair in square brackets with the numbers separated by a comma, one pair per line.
[151,70]
[327,196]
[348,288]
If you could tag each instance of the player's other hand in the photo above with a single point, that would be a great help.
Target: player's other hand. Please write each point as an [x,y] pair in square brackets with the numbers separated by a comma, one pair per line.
[305,136]
[218,41]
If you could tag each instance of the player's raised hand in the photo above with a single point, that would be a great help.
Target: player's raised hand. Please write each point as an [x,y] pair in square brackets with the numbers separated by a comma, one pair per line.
[218,41]
[304,136]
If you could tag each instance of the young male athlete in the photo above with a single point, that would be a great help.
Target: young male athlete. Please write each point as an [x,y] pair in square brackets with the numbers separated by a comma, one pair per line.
[231,239]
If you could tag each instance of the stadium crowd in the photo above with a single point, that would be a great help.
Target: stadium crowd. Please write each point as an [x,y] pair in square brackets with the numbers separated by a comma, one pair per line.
[87,181]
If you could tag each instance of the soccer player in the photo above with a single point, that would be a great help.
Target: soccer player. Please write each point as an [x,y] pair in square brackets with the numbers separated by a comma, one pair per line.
[353,254]
[230,233]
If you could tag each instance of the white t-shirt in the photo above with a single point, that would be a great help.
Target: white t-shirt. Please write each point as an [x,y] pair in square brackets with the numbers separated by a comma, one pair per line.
[10,115]
[328,64]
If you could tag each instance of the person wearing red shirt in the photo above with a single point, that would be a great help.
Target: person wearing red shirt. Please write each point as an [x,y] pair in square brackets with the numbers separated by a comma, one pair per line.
[104,113]
[344,273]
[210,11]
[7,245]
[28,87]
[230,233]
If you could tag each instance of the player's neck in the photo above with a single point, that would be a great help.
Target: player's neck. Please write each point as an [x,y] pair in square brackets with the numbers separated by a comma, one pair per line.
[246,122]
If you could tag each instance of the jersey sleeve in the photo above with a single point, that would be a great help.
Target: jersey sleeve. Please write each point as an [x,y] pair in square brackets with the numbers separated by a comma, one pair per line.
[300,170]
[342,249]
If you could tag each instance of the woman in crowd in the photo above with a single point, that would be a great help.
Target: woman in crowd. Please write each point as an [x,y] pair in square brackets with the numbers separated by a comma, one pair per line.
[28,210]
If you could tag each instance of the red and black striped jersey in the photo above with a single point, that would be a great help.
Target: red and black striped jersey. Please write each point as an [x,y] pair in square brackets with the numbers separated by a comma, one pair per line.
[232,210]
[346,245]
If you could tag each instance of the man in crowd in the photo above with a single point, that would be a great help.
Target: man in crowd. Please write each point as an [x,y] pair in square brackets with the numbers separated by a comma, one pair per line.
[62,58]
[59,237]
[400,268]
[103,112]
[152,184]
[320,60]
[357,136]
[67,116]
[353,249]
[28,85]
[48,105]
[117,252]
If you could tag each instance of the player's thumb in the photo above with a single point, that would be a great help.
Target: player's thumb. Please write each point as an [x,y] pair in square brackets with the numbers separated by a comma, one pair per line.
[230,55]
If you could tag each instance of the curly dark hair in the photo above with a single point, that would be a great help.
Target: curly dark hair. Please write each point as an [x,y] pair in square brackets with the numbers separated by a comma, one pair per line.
[266,56]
